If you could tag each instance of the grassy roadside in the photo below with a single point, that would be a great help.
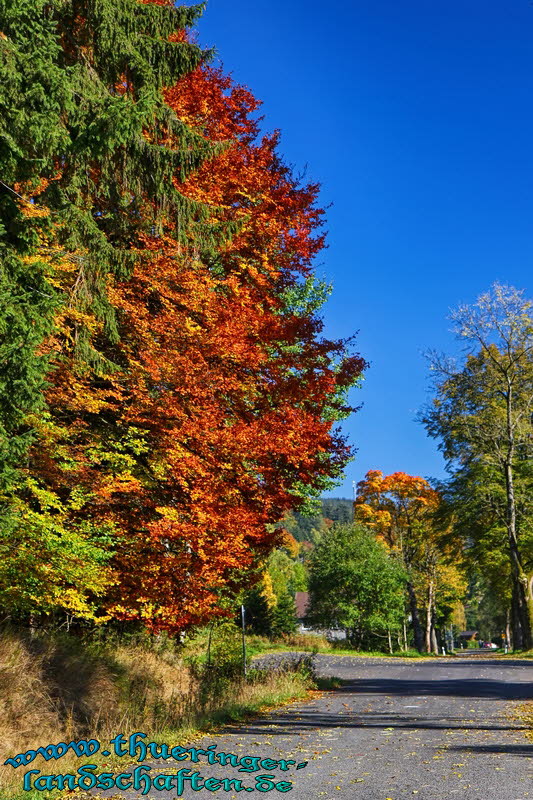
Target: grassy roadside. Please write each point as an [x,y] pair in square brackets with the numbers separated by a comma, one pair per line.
[518,654]
[60,689]
[307,643]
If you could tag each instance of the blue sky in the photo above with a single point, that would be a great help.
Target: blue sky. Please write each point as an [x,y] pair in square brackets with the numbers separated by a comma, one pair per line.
[417,120]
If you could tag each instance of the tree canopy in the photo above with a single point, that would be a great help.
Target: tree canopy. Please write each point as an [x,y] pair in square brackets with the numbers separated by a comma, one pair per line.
[167,395]
[355,584]
[482,415]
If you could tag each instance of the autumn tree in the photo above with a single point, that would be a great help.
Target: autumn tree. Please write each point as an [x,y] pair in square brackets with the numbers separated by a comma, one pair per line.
[232,383]
[482,415]
[288,576]
[472,510]
[83,171]
[399,508]
[191,399]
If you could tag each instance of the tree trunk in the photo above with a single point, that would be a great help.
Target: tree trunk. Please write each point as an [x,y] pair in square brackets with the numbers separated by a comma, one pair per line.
[33,625]
[415,618]
[516,627]
[391,651]
[434,642]
[528,587]
[508,629]
[429,617]
[521,582]
[522,589]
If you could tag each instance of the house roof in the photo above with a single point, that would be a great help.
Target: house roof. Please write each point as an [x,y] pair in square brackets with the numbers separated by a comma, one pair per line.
[302,604]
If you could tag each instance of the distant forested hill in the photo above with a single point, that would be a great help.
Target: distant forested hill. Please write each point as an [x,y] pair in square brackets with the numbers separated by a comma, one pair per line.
[338,509]
[308,528]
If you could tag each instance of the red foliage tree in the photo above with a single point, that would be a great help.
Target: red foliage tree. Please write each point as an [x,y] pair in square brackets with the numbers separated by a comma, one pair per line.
[221,416]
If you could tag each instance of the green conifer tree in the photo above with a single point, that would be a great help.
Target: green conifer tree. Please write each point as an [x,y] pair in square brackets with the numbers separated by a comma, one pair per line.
[88,153]
[284,615]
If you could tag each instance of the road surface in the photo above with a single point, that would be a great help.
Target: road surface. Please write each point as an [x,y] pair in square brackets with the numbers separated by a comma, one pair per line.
[434,729]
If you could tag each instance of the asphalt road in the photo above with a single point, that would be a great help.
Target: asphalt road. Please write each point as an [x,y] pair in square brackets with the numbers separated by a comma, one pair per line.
[424,729]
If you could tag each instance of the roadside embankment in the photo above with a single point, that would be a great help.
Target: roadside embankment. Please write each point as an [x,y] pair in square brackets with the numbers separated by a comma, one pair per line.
[59,688]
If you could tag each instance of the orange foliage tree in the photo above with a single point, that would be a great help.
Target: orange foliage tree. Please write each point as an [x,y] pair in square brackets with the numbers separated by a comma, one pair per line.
[400,509]
[216,413]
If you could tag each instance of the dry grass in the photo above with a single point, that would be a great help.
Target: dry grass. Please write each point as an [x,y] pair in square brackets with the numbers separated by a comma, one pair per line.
[311,643]
[27,711]
[61,688]
[301,642]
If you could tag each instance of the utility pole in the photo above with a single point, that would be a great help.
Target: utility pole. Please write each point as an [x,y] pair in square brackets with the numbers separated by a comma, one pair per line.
[243,643]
